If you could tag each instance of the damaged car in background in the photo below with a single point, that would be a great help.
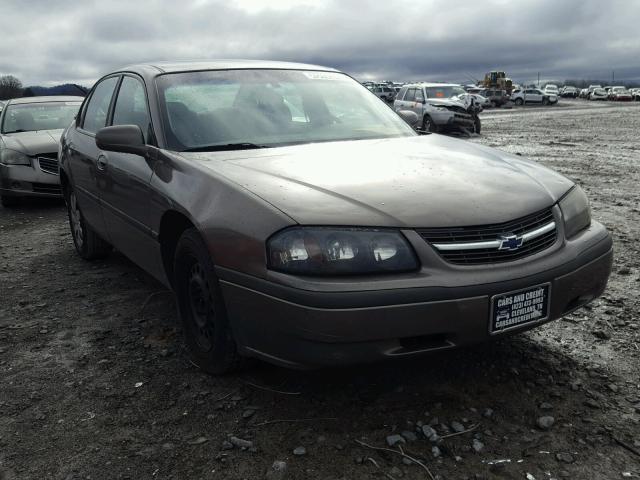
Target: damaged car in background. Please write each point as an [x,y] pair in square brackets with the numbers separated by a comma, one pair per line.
[30,130]
[300,221]
[440,107]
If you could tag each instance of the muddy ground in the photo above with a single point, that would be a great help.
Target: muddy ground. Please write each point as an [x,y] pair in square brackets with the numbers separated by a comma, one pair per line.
[95,384]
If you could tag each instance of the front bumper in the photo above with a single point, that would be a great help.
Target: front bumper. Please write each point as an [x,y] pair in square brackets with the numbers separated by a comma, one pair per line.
[450,119]
[301,328]
[28,181]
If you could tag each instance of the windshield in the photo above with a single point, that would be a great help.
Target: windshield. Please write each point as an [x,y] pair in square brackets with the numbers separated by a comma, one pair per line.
[29,117]
[266,108]
[444,92]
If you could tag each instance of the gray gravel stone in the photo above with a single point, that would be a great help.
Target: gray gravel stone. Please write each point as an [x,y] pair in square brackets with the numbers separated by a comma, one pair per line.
[393,440]
[565,457]
[430,433]
[435,451]
[240,443]
[409,436]
[477,445]
[299,451]
[278,471]
[545,422]
[457,427]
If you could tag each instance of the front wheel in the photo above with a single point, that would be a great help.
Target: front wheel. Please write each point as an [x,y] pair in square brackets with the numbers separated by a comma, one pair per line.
[519,102]
[202,311]
[428,125]
[88,243]
[476,125]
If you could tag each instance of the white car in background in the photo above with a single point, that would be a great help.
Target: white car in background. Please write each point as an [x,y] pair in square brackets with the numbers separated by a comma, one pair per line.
[478,99]
[532,95]
[599,94]
[551,89]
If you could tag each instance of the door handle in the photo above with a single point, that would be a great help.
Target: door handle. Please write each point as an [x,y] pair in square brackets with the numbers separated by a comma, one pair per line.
[102,163]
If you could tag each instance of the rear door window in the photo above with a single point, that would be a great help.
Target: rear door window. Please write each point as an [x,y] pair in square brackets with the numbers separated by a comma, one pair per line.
[97,111]
[131,106]
[411,95]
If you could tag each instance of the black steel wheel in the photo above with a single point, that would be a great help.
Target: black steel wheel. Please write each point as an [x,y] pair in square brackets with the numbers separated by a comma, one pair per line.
[204,319]
[87,242]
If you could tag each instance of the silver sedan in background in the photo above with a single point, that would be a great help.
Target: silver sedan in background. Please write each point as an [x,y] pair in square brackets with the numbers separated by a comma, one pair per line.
[30,129]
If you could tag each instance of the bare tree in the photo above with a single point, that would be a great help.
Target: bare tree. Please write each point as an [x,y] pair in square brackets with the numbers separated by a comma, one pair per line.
[10,87]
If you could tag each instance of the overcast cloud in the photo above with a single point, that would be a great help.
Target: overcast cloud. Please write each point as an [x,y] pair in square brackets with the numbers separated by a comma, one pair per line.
[55,41]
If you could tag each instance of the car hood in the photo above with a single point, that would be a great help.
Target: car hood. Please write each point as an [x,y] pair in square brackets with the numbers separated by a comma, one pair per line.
[422,181]
[33,143]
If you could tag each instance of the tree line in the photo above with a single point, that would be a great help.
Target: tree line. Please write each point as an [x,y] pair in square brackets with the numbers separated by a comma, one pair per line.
[11,87]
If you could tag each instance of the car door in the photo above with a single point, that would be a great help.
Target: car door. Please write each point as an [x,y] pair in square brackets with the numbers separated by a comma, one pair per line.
[419,103]
[125,190]
[83,153]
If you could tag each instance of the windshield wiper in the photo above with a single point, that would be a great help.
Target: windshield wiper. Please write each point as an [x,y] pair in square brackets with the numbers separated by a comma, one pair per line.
[14,131]
[227,146]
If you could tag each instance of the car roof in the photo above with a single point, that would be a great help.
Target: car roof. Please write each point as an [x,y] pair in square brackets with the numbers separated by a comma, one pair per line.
[427,84]
[153,69]
[43,99]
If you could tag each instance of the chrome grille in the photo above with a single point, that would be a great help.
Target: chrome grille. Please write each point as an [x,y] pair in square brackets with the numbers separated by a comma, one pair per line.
[481,244]
[49,164]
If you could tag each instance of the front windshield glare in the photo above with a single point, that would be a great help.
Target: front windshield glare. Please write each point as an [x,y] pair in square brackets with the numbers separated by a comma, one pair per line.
[29,117]
[203,110]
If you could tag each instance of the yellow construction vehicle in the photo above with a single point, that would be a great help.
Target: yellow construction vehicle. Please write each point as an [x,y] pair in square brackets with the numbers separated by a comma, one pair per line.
[497,80]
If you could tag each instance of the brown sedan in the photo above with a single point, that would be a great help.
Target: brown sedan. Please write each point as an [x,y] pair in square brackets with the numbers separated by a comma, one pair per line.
[299,220]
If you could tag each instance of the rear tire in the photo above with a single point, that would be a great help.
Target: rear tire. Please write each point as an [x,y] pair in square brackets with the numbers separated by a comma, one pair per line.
[545,101]
[202,311]
[88,243]
[9,201]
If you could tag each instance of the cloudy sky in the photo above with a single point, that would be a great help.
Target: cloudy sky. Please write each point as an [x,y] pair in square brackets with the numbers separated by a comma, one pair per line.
[54,41]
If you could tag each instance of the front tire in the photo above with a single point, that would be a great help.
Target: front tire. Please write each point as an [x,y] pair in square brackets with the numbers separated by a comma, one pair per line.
[202,311]
[476,125]
[9,201]
[428,125]
[88,243]
[519,102]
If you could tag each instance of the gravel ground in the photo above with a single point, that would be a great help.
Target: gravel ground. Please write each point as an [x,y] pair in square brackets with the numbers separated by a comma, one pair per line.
[95,383]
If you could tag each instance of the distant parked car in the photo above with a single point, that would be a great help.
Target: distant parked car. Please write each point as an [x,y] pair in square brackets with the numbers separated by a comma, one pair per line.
[30,129]
[591,89]
[385,93]
[497,97]
[1,106]
[635,92]
[551,89]
[620,94]
[569,92]
[599,94]
[438,106]
[532,95]
[481,100]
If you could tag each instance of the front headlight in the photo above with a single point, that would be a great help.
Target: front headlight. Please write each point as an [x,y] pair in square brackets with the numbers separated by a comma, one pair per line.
[575,211]
[340,251]
[11,157]
[439,108]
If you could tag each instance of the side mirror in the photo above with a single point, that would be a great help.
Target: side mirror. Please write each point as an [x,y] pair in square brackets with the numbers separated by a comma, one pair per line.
[123,139]
[410,117]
